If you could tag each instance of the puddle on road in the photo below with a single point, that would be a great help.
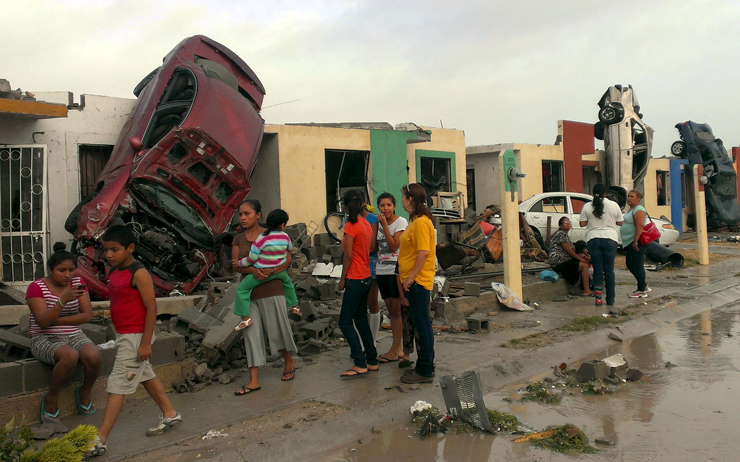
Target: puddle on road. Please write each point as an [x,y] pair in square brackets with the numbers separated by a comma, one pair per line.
[688,411]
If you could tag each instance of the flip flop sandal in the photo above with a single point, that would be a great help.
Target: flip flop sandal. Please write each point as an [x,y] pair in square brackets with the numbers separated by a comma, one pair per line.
[352,374]
[48,415]
[383,359]
[245,390]
[81,408]
[243,324]
[286,374]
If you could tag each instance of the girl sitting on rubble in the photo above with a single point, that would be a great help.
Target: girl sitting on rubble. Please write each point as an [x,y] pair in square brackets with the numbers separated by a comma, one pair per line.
[268,252]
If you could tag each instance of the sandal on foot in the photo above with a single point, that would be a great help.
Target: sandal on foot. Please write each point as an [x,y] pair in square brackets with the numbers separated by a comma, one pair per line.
[351,374]
[97,448]
[382,359]
[243,324]
[295,310]
[405,363]
[48,415]
[288,375]
[81,408]
[245,390]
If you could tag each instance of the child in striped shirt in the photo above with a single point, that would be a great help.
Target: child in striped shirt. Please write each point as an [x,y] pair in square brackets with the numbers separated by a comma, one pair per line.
[269,251]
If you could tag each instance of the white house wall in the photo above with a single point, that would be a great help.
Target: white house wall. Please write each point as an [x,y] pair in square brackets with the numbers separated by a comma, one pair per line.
[97,121]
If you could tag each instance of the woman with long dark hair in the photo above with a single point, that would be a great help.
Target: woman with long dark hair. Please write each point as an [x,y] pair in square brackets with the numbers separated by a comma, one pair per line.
[59,303]
[271,326]
[416,269]
[356,281]
[602,219]
[565,260]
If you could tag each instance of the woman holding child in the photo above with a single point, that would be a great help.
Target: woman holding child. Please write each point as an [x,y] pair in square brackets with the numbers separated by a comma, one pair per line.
[268,310]
[565,261]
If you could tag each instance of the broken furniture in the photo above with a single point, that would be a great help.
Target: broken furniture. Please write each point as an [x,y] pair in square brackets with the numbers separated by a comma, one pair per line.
[448,207]
[464,399]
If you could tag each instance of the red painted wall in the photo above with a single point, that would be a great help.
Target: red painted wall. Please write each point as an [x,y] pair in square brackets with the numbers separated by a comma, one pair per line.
[578,139]
[736,156]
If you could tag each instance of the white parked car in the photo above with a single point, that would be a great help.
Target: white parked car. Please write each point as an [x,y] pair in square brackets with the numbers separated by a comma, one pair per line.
[555,205]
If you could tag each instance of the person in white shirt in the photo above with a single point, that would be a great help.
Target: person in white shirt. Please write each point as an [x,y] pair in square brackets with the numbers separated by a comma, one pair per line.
[602,219]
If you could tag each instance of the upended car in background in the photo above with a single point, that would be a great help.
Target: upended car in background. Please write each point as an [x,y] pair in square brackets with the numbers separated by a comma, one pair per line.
[699,145]
[179,168]
[628,141]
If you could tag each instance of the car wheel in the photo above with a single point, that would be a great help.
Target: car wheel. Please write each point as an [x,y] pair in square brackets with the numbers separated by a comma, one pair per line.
[678,148]
[599,131]
[611,114]
[617,196]
[538,237]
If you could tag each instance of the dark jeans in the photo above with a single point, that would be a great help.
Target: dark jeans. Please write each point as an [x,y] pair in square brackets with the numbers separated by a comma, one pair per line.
[354,313]
[636,264]
[418,298]
[603,251]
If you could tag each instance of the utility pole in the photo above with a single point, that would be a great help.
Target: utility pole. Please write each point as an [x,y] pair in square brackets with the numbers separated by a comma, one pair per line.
[701,214]
[510,221]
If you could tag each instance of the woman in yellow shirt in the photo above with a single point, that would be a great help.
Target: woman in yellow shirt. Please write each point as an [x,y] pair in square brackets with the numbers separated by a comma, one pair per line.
[416,269]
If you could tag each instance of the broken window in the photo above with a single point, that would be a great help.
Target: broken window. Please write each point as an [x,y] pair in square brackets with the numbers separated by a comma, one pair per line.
[552,175]
[662,187]
[470,180]
[92,160]
[436,174]
[344,170]
[173,107]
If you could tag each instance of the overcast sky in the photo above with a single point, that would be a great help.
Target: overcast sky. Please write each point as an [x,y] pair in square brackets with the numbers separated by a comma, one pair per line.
[501,71]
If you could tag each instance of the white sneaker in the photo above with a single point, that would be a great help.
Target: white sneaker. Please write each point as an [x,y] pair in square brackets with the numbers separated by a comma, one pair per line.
[638,294]
[165,423]
[97,448]
[647,289]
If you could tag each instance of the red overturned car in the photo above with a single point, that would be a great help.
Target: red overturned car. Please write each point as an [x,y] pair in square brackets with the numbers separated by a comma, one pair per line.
[178,170]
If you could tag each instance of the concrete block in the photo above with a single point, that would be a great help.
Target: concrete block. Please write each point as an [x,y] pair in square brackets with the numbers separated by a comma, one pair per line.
[36,375]
[309,253]
[472,289]
[328,290]
[617,365]
[204,323]
[167,348]
[95,332]
[323,239]
[633,375]
[309,312]
[24,325]
[591,370]
[313,347]
[189,315]
[224,337]
[109,357]
[326,258]
[14,346]
[478,323]
[336,251]
[11,376]
[316,330]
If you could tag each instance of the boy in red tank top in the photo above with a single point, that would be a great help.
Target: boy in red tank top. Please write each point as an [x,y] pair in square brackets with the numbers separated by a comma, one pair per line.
[133,310]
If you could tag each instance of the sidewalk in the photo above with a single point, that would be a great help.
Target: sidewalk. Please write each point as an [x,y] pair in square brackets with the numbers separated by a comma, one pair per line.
[336,411]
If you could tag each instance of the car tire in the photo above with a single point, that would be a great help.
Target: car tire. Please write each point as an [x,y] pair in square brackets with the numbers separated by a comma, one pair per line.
[617,196]
[678,148]
[611,114]
[599,131]
[538,237]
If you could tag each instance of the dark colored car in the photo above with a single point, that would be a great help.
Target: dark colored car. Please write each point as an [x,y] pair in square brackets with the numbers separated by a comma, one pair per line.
[699,145]
[179,168]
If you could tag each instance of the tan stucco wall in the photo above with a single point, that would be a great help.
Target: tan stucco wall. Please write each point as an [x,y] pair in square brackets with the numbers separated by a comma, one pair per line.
[529,160]
[650,188]
[302,166]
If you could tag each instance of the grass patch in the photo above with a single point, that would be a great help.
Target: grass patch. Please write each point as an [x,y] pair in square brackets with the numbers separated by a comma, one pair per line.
[567,439]
[540,393]
[590,323]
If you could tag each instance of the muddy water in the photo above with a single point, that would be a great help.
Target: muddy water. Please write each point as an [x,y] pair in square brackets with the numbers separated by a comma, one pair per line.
[686,412]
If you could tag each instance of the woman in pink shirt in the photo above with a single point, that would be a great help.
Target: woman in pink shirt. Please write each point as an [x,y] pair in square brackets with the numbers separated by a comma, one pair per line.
[59,303]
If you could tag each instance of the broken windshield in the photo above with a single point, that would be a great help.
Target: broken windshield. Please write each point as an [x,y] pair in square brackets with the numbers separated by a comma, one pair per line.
[183,216]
